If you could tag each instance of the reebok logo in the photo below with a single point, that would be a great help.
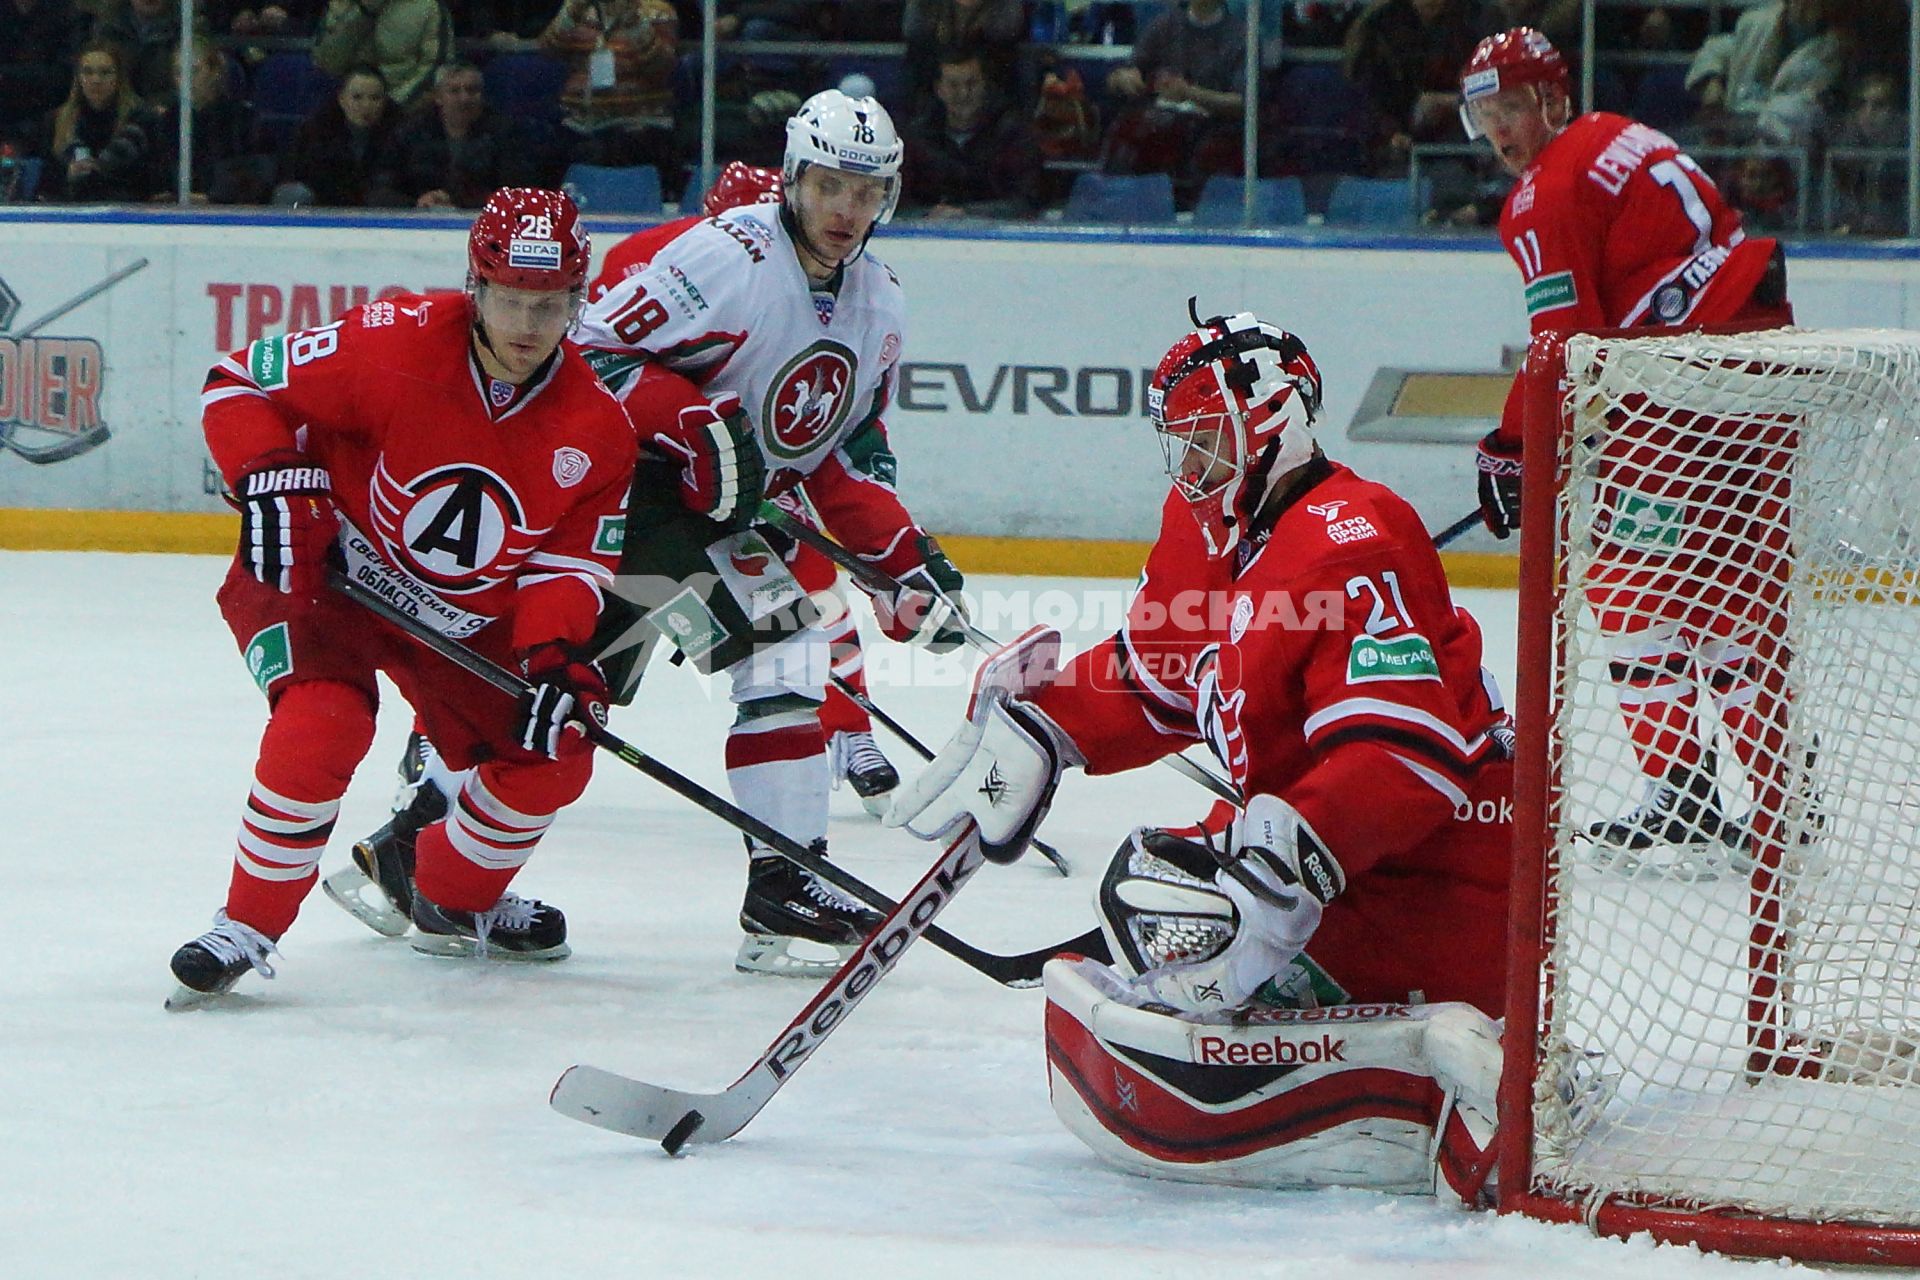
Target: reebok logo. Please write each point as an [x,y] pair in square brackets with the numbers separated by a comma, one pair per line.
[1274,1051]
[994,788]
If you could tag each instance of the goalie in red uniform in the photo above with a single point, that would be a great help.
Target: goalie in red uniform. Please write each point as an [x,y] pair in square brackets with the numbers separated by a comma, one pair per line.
[1312,998]
[470,467]
[1613,226]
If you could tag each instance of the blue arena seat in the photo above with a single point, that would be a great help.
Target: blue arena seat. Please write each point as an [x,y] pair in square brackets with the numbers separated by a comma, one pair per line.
[600,189]
[1277,202]
[285,88]
[1376,202]
[1137,199]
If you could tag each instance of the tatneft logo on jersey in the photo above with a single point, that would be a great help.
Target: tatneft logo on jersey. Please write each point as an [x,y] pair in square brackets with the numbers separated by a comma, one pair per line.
[459,527]
[537,255]
[809,399]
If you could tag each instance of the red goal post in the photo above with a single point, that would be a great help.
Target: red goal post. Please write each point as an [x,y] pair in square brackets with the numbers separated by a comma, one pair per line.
[1717,1040]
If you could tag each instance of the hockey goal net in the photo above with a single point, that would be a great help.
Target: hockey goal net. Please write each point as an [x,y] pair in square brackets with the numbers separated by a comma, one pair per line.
[1714,1032]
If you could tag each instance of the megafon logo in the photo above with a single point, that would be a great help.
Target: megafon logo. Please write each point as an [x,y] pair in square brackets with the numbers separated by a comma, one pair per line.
[50,385]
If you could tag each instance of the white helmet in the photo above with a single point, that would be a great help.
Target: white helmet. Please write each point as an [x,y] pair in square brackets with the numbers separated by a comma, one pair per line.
[854,135]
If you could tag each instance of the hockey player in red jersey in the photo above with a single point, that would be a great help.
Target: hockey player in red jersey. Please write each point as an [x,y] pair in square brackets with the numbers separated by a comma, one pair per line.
[1293,618]
[466,463]
[856,757]
[755,354]
[1613,226]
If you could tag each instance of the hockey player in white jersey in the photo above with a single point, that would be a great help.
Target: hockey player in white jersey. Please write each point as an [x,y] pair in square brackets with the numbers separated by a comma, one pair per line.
[755,354]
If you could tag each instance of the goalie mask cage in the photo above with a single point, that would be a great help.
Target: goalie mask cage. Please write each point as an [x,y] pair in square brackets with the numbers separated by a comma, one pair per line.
[1715,1038]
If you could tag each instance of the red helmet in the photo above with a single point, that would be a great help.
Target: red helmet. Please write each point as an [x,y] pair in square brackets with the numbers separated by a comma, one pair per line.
[1517,57]
[527,238]
[741,184]
[1234,403]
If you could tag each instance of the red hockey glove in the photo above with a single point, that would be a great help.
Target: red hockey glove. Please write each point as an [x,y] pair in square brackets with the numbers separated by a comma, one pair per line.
[1499,466]
[566,688]
[287,520]
[722,474]
[928,609]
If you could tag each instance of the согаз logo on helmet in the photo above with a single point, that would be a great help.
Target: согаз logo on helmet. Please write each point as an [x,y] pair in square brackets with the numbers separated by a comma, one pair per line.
[809,399]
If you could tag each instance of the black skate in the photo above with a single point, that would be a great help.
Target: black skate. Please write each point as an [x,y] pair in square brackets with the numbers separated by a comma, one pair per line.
[377,890]
[1680,812]
[857,758]
[210,964]
[514,928]
[787,907]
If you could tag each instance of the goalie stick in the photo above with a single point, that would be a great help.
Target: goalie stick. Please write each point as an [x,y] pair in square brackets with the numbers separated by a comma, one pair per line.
[1021,970]
[883,583]
[675,1117]
[865,702]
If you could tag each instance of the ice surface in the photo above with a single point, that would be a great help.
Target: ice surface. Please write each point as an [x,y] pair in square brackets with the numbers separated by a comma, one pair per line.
[374,1113]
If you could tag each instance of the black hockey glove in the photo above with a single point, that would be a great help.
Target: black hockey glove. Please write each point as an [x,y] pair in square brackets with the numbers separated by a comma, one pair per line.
[1499,466]
[287,520]
[566,688]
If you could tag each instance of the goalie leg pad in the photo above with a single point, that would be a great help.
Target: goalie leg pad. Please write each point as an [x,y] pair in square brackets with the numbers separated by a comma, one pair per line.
[1345,1096]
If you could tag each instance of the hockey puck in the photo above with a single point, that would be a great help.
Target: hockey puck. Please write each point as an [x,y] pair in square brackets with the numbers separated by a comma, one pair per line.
[683,1128]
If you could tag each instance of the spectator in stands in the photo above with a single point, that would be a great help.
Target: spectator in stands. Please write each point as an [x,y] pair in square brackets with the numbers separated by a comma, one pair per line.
[1770,76]
[1870,191]
[404,39]
[1557,20]
[149,30]
[933,28]
[81,127]
[619,90]
[141,161]
[1405,56]
[38,39]
[459,152]
[969,154]
[344,152]
[1187,81]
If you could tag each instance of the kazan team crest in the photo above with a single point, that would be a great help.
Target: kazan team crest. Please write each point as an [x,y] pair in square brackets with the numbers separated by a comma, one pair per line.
[809,399]
[459,528]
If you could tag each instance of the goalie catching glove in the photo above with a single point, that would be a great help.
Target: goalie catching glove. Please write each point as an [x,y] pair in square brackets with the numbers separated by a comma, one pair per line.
[1002,765]
[565,689]
[927,609]
[287,520]
[722,475]
[1196,945]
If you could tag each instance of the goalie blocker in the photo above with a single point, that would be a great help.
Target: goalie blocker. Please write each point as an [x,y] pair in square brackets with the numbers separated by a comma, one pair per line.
[1390,1097]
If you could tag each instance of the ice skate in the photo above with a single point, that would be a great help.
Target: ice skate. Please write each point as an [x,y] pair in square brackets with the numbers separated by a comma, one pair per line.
[795,925]
[1681,813]
[514,928]
[857,758]
[208,966]
[377,890]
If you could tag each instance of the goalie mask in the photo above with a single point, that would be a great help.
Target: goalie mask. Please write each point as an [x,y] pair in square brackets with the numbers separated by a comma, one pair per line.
[1234,404]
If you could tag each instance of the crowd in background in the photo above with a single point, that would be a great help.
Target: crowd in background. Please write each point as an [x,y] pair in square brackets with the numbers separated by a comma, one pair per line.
[1003,103]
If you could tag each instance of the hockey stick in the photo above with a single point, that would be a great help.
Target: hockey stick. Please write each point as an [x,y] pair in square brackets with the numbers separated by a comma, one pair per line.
[882,583]
[675,1117]
[866,703]
[1453,531]
[1021,970]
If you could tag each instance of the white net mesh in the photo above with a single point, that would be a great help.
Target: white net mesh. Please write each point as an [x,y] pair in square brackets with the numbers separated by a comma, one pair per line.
[1731,986]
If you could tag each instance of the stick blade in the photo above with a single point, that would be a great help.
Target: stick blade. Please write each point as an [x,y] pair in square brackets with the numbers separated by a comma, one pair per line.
[616,1103]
